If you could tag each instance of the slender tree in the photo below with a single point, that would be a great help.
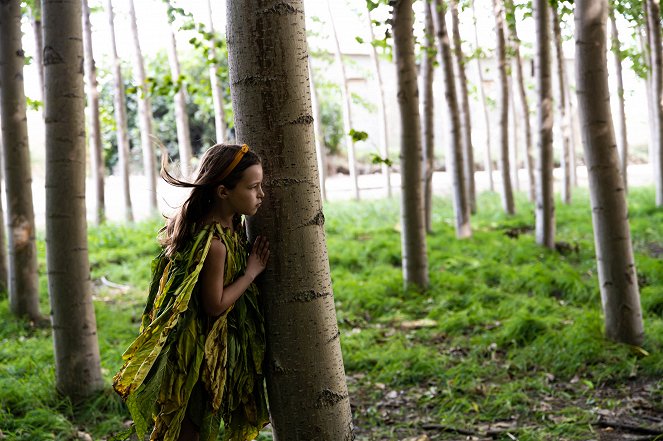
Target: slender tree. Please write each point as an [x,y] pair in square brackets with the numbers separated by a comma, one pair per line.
[428,105]
[39,44]
[622,141]
[181,117]
[320,148]
[4,269]
[120,119]
[513,133]
[464,107]
[656,54]
[614,253]
[145,115]
[347,108]
[382,112]
[562,107]
[503,103]
[545,203]
[413,235]
[97,168]
[217,92]
[23,285]
[487,157]
[77,361]
[267,58]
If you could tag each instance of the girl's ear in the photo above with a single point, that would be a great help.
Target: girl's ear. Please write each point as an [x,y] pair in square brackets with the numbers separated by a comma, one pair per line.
[222,192]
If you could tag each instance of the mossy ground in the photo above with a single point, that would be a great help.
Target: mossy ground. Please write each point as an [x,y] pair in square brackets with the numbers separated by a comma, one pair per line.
[506,344]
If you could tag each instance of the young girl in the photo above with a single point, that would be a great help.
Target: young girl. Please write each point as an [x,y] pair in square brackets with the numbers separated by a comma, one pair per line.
[199,355]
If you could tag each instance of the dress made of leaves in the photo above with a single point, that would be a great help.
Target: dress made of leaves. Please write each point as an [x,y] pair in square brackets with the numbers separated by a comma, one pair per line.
[185,363]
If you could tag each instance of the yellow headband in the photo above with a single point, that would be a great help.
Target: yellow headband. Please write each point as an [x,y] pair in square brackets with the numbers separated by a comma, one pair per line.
[238,157]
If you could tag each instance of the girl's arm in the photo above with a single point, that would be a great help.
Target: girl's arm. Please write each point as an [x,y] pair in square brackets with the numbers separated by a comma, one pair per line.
[215,297]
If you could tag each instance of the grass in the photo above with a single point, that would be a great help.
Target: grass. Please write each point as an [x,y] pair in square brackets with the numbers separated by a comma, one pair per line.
[509,334]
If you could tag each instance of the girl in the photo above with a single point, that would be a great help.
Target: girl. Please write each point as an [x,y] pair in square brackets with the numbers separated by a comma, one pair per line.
[199,356]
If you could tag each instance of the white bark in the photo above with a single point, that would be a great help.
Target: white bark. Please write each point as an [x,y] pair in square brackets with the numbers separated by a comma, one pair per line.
[428,123]
[320,147]
[217,90]
[622,141]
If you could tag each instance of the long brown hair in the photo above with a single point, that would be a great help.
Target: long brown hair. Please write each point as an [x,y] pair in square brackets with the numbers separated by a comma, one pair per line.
[178,229]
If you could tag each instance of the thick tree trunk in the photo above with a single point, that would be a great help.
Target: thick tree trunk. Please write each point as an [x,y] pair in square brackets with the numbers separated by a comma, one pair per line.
[4,269]
[145,115]
[616,267]
[622,141]
[97,168]
[23,285]
[77,365]
[413,235]
[121,120]
[562,107]
[464,107]
[347,107]
[487,157]
[181,116]
[524,105]
[428,105]
[217,91]
[384,138]
[455,150]
[320,147]
[545,202]
[39,45]
[308,397]
[503,105]
[656,54]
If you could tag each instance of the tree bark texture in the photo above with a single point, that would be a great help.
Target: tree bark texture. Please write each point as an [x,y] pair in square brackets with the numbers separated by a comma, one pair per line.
[217,90]
[614,253]
[267,56]
[464,107]
[656,54]
[428,105]
[120,120]
[77,362]
[413,235]
[144,115]
[545,202]
[347,107]
[181,116]
[455,150]
[39,45]
[503,106]
[382,112]
[513,133]
[320,147]
[562,107]
[487,158]
[622,140]
[97,167]
[4,269]
[23,285]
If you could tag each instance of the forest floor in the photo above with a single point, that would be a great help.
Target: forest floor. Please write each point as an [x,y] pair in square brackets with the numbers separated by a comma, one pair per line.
[506,344]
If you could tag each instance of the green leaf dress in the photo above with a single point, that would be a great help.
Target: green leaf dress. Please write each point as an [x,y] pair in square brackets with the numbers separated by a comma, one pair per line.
[185,363]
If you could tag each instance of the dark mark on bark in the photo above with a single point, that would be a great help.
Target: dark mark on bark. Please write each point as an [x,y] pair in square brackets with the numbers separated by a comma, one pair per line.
[335,337]
[328,398]
[318,219]
[51,56]
[307,296]
[284,182]
[303,119]
[255,80]
[281,8]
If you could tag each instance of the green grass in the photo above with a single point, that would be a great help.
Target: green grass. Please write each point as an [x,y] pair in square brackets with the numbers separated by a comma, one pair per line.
[508,331]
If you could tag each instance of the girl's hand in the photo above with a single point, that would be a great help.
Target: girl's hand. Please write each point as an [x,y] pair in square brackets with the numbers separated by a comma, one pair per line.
[258,257]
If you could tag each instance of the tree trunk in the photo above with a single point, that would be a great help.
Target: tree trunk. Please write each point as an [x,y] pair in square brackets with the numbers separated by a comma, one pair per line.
[545,202]
[181,116]
[514,136]
[622,141]
[121,120]
[454,151]
[616,267]
[487,157]
[384,138]
[524,105]
[562,107]
[217,91]
[575,134]
[39,45]
[23,284]
[77,365]
[267,58]
[413,236]
[145,116]
[503,104]
[347,108]
[654,21]
[4,270]
[464,107]
[644,48]
[428,105]
[320,147]
[97,167]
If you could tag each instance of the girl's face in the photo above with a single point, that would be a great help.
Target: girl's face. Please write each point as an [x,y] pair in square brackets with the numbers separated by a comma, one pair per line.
[247,195]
